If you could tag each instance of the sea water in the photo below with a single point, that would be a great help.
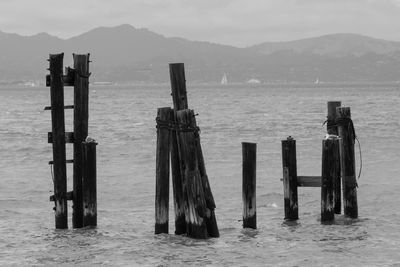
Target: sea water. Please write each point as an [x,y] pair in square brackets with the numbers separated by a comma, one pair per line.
[122,120]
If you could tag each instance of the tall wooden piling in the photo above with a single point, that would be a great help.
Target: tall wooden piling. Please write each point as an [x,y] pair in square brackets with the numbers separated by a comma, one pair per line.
[164,115]
[58,136]
[195,206]
[89,183]
[332,129]
[211,220]
[330,166]
[249,156]
[179,97]
[178,86]
[81,120]
[289,164]
[177,186]
[347,161]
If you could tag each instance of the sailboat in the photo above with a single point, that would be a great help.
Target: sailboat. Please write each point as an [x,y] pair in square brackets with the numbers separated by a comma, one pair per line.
[224,80]
[316,81]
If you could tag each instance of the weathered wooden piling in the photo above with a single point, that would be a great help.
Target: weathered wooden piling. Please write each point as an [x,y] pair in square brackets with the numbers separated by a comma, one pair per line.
[331,126]
[330,166]
[249,157]
[179,97]
[178,86]
[81,121]
[89,183]
[332,129]
[164,115]
[58,140]
[211,221]
[195,206]
[289,164]
[347,161]
[177,187]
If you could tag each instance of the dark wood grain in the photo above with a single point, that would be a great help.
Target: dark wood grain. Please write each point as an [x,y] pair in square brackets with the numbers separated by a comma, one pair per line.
[58,140]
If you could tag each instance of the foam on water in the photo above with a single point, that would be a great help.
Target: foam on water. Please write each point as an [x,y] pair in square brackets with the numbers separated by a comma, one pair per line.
[122,120]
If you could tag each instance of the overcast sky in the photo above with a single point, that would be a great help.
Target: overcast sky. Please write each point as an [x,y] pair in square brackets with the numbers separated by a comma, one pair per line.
[233,22]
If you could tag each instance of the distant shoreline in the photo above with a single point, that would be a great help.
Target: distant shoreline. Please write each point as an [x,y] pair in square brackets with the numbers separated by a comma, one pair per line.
[216,85]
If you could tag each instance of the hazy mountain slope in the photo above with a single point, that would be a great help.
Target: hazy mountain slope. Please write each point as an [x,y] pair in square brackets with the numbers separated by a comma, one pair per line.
[129,53]
[24,58]
[124,53]
[341,44]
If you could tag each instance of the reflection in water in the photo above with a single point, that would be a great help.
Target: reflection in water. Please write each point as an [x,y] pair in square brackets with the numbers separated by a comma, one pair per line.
[248,234]
[291,225]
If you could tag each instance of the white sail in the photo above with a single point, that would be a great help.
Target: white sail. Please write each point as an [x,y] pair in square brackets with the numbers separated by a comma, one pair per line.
[224,79]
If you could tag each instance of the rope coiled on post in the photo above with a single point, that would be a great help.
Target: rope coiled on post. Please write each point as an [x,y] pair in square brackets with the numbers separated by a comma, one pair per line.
[346,122]
[329,123]
[175,126]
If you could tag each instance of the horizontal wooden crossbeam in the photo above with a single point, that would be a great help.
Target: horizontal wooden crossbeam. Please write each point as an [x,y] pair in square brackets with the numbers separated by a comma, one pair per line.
[69,137]
[65,107]
[70,196]
[309,181]
[68,80]
[67,161]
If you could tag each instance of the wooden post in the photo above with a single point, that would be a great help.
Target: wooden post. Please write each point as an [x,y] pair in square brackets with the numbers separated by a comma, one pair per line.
[89,183]
[81,118]
[211,221]
[330,156]
[332,129]
[58,135]
[249,155]
[347,161]
[289,163]
[331,126]
[177,186]
[179,97]
[178,86]
[164,115]
[195,206]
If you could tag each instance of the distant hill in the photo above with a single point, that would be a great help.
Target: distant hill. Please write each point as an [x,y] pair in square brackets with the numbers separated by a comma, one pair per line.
[334,45]
[126,54]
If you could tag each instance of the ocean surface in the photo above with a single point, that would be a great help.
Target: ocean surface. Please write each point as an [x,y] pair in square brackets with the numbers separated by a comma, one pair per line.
[122,120]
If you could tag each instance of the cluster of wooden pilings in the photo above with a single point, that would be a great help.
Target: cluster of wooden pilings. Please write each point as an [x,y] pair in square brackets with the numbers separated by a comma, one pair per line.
[178,142]
[178,146]
[338,169]
[84,148]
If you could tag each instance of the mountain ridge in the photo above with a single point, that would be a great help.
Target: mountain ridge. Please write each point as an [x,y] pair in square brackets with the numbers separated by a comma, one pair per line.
[127,54]
[355,44]
[127,26]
